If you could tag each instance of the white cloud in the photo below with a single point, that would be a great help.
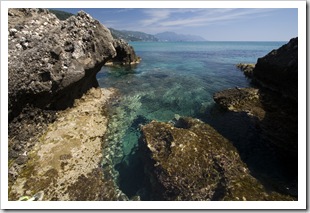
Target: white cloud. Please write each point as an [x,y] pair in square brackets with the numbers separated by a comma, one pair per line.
[155,16]
[177,18]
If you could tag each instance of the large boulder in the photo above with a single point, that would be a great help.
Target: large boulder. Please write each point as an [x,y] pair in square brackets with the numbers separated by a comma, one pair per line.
[274,101]
[125,53]
[278,70]
[272,106]
[52,62]
[189,160]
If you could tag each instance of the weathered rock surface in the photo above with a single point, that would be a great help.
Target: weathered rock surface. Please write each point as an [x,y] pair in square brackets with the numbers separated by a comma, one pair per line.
[247,69]
[275,100]
[52,62]
[191,161]
[277,116]
[273,105]
[125,54]
[278,70]
[241,100]
[65,161]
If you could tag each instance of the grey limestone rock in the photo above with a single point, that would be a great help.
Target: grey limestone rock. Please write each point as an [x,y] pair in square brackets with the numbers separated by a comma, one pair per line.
[53,62]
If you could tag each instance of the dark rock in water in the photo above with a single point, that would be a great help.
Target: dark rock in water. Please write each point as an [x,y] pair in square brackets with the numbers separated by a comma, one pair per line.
[247,69]
[192,161]
[277,116]
[240,99]
[53,62]
[278,70]
[273,102]
[125,53]
[276,108]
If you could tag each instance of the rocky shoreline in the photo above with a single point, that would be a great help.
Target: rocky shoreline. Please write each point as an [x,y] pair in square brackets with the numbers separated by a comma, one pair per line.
[65,159]
[58,120]
[52,70]
[274,106]
[53,62]
[271,103]
[187,159]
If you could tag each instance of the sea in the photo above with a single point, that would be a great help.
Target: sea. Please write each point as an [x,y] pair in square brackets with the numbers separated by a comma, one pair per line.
[179,79]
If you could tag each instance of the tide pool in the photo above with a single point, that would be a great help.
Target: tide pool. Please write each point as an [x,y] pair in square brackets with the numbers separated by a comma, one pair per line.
[173,79]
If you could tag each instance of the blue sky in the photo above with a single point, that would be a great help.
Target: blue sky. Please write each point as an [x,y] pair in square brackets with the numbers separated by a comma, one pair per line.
[222,24]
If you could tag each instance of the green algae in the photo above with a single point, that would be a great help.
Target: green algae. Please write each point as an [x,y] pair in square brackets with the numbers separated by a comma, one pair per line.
[191,161]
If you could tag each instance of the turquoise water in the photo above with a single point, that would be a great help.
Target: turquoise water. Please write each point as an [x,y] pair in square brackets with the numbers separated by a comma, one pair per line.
[172,79]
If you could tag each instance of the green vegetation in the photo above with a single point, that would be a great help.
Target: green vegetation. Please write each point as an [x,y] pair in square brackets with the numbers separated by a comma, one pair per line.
[132,35]
[62,15]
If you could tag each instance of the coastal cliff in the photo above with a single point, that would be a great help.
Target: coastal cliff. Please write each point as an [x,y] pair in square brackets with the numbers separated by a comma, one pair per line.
[52,67]
[278,70]
[271,104]
[53,62]
[274,100]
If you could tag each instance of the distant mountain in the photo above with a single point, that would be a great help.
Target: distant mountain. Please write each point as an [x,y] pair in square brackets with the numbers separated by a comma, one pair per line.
[136,35]
[61,15]
[132,35]
[171,36]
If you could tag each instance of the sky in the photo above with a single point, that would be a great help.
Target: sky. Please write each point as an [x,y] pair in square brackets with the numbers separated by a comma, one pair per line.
[214,24]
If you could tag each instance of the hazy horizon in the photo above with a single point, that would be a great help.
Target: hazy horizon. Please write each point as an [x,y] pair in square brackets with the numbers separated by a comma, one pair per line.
[213,24]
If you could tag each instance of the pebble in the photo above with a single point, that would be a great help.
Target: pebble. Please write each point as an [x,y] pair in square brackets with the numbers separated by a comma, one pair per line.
[12,31]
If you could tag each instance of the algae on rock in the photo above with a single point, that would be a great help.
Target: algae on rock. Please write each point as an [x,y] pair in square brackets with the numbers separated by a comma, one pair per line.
[65,163]
[191,161]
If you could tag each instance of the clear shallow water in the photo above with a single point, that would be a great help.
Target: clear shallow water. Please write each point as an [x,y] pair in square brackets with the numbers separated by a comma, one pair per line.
[172,78]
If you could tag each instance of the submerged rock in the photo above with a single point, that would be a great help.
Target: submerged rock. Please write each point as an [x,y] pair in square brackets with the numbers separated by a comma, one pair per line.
[65,163]
[192,161]
[241,100]
[52,62]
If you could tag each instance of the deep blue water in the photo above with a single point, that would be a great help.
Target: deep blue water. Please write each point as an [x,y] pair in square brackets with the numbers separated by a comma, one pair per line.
[177,78]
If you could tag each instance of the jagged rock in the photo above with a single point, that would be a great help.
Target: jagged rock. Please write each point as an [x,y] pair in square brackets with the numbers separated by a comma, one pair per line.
[273,103]
[278,70]
[241,100]
[192,161]
[247,69]
[275,100]
[52,62]
[125,54]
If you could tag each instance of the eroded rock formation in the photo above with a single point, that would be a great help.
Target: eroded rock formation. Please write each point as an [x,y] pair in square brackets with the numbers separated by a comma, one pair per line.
[64,162]
[246,68]
[191,161]
[125,54]
[278,70]
[52,62]
[272,105]
[274,101]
